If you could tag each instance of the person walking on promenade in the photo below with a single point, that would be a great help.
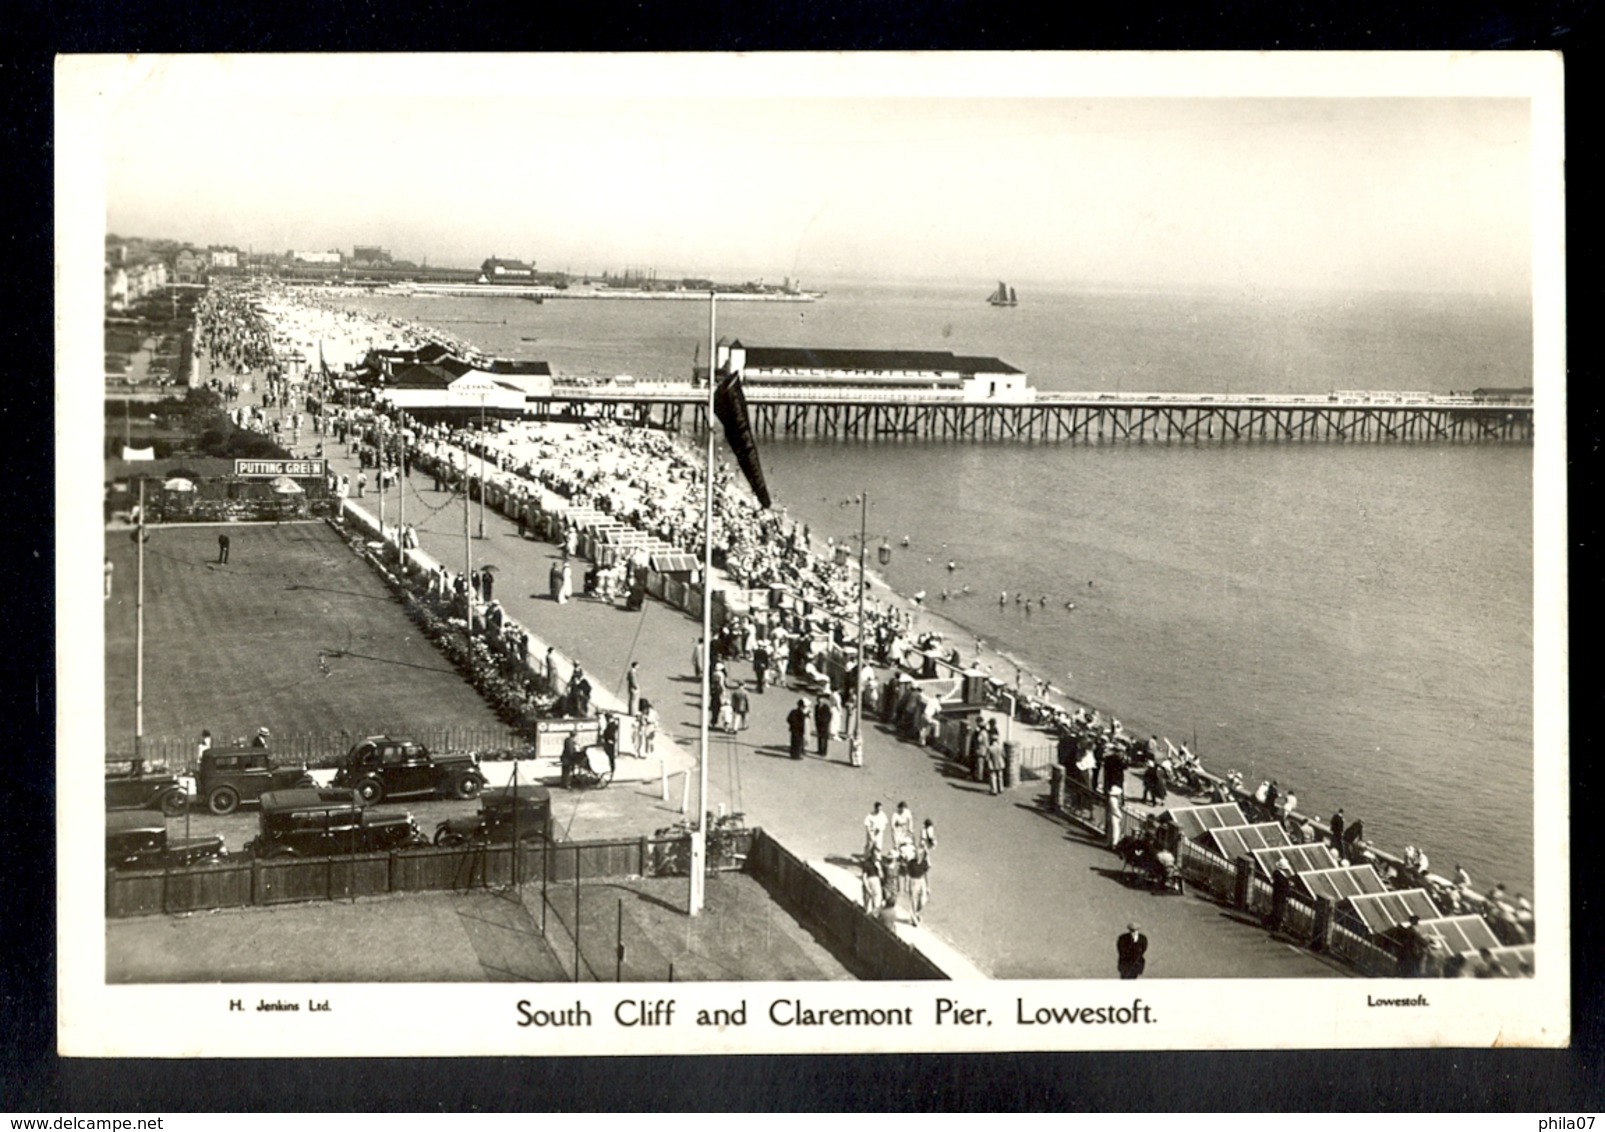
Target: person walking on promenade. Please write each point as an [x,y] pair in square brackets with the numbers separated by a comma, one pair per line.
[875,830]
[632,687]
[108,579]
[902,824]
[1131,950]
[696,659]
[994,767]
[646,730]
[760,665]
[822,726]
[874,890]
[362,483]
[565,584]
[919,885]
[797,720]
[740,705]
[571,758]
[222,550]
[1336,828]
[203,746]
[610,741]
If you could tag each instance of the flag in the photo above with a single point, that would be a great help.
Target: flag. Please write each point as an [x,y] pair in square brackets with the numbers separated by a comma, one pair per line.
[731,408]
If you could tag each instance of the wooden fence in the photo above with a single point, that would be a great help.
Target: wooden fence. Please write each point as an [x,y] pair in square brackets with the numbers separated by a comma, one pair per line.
[873,949]
[239,882]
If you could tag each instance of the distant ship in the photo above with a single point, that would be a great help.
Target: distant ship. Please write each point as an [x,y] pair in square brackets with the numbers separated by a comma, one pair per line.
[1003,296]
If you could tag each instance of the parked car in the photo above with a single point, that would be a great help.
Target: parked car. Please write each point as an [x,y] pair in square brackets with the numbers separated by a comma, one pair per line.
[229,776]
[321,823]
[158,791]
[382,767]
[136,840]
[524,812]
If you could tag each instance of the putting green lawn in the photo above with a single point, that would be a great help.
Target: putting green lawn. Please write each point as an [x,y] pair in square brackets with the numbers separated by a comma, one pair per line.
[296,633]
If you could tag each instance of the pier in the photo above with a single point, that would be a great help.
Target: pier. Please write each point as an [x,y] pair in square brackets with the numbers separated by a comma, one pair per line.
[864,414]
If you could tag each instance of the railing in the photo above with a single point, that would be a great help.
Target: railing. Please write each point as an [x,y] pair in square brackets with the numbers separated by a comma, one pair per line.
[1311,923]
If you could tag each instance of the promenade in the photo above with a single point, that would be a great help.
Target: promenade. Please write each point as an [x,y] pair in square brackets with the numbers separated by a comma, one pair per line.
[1015,891]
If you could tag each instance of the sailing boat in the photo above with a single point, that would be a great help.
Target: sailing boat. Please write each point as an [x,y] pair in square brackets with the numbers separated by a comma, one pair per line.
[1003,296]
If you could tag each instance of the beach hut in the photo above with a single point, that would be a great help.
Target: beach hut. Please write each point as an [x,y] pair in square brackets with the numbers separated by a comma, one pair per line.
[1464,935]
[1379,912]
[1340,884]
[1233,842]
[674,565]
[1299,858]
[1195,821]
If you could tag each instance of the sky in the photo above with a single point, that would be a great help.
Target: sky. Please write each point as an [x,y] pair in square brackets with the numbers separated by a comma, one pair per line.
[616,165]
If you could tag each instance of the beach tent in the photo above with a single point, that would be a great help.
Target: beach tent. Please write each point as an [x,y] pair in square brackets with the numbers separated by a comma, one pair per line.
[1463,934]
[1299,858]
[1511,957]
[1241,840]
[1195,821]
[1341,884]
[673,564]
[1380,911]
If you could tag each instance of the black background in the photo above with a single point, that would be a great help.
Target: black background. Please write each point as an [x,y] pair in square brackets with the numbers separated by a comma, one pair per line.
[33,1078]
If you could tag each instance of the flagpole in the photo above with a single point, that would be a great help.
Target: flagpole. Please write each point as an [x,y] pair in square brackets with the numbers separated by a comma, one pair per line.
[699,835]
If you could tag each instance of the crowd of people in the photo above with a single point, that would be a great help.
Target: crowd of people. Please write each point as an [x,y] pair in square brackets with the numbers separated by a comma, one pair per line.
[896,864]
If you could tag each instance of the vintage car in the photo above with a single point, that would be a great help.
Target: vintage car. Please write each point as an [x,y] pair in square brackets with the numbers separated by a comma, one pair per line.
[146,791]
[321,823]
[229,776]
[521,812]
[381,767]
[136,840]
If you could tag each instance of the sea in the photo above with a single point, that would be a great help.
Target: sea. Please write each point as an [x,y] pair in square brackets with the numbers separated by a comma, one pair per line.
[1354,621]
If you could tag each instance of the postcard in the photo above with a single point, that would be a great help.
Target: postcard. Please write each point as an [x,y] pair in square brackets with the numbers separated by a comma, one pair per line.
[611,554]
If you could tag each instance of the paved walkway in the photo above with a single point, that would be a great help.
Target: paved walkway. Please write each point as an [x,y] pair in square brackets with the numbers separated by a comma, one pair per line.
[1017,891]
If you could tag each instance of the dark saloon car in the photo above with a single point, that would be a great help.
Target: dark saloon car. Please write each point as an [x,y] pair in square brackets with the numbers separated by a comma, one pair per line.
[230,776]
[521,812]
[136,840]
[320,823]
[382,767]
[146,791]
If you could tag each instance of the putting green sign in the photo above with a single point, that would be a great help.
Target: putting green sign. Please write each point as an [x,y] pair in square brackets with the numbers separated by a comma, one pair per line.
[268,469]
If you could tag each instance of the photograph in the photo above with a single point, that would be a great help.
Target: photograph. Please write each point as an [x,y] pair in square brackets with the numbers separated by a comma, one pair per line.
[722,553]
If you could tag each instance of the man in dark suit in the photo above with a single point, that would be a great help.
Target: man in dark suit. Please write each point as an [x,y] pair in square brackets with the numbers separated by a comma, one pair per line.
[1132,948]
[798,722]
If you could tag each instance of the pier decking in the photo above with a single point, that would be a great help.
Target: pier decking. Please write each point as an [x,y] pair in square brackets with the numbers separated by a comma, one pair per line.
[863,414]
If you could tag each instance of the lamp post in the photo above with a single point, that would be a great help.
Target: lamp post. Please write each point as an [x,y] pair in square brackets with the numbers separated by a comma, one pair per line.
[482,463]
[139,633]
[699,832]
[855,748]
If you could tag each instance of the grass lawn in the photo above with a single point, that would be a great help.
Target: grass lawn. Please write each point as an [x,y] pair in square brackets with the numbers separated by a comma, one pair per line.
[296,634]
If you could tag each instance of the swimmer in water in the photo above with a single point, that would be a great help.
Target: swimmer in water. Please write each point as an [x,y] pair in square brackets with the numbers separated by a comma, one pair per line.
[1043,601]
[905,543]
[1017,599]
[951,566]
[1069,605]
[944,595]
[1003,598]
